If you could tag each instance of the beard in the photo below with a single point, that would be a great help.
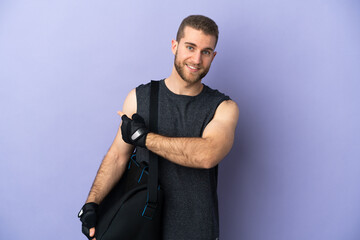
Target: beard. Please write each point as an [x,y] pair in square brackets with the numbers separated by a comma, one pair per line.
[192,77]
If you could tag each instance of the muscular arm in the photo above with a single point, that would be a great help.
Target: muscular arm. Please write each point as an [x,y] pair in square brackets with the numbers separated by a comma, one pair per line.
[115,161]
[202,152]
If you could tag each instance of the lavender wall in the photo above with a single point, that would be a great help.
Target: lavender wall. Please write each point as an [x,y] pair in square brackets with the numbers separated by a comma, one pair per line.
[292,66]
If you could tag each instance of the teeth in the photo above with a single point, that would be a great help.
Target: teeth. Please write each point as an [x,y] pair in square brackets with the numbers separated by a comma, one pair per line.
[191,67]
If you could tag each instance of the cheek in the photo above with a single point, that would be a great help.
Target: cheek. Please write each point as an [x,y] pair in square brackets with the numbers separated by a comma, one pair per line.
[207,61]
[181,56]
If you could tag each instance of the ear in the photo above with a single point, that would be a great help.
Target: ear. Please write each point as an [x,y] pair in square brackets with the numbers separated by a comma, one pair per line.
[174,46]
[214,55]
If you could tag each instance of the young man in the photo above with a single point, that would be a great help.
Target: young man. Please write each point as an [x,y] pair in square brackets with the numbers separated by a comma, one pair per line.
[196,131]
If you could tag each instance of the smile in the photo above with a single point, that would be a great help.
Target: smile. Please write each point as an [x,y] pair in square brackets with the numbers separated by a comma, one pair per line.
[192,67]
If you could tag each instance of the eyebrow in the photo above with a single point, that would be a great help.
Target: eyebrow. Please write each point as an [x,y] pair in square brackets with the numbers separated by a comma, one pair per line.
[193,44]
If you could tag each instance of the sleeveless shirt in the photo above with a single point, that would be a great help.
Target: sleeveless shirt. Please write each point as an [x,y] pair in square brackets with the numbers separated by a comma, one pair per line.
[190,209]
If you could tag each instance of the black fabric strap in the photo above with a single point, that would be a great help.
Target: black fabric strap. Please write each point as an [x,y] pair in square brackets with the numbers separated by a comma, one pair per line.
[153,158]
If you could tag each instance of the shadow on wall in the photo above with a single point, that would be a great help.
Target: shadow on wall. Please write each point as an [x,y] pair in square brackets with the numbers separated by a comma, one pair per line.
[239,170]
[236,68]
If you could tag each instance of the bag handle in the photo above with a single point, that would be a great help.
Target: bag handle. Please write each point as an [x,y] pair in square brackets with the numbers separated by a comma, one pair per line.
[152,188]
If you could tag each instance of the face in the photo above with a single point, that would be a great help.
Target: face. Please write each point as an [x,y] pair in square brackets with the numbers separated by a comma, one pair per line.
[193,54]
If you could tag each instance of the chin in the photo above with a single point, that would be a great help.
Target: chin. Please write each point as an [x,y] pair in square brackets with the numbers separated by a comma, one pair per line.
[191,80]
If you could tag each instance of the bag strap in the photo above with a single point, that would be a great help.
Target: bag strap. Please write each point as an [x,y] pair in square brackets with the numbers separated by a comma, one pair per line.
[152,200]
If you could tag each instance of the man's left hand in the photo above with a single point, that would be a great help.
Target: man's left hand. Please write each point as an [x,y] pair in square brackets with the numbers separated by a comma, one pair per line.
[134,130]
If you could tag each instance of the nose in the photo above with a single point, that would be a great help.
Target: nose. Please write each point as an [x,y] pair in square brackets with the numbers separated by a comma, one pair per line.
[197,57]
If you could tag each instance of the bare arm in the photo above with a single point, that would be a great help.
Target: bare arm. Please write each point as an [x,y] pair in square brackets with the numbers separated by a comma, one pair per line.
[200,152]
[115,161]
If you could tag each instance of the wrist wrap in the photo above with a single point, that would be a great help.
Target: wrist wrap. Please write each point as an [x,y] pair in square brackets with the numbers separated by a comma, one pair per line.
[88,218]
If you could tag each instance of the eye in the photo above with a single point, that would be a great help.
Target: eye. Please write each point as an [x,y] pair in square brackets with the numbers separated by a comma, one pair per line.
[206,52]
[190,48]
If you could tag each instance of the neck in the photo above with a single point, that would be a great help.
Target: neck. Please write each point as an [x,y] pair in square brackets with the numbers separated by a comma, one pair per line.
[179,86]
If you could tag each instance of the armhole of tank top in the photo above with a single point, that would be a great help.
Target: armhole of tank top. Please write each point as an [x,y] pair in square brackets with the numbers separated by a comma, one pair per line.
[222,99]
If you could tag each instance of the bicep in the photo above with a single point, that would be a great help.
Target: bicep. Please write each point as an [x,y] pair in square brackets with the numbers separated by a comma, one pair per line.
[119,147]
[221,129]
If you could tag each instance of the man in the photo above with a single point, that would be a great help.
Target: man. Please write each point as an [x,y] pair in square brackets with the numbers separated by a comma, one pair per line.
[196,131]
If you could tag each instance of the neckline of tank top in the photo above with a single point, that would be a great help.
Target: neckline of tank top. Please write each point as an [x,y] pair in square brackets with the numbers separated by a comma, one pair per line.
[162,84]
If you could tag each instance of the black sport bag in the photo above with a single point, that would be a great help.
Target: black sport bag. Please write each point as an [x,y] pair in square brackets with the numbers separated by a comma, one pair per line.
[132,209]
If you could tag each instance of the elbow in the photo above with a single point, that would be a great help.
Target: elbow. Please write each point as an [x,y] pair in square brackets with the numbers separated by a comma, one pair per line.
[208,166]
[208,162]
[209,158]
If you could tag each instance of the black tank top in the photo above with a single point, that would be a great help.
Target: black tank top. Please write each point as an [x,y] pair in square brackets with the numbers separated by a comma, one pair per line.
[190,208]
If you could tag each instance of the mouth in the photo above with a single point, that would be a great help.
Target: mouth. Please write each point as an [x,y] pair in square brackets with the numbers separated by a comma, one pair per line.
[192,68]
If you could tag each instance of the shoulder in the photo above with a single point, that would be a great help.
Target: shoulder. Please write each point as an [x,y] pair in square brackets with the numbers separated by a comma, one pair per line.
[223,100]
[224,122]
[143,86]
[228,105]
[228,109]
[130,103]
[215,95]
[143,92]
[136,95]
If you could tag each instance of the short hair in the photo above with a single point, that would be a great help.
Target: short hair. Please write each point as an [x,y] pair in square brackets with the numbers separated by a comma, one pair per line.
[199,22]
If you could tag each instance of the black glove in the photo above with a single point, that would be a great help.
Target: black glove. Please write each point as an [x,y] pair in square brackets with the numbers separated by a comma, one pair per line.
[88,218]
[134,130]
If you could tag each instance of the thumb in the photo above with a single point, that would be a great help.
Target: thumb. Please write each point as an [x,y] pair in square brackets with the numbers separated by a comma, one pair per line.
[92,232]
[120,113]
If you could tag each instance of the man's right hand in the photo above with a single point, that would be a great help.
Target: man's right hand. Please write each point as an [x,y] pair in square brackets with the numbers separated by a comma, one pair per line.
[88,218]
[133,130]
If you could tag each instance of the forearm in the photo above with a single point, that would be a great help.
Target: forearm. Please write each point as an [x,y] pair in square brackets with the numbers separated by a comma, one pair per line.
[195,152]
[109,173]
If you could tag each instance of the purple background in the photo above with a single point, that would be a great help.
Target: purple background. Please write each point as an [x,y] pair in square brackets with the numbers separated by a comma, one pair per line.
[293,67]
